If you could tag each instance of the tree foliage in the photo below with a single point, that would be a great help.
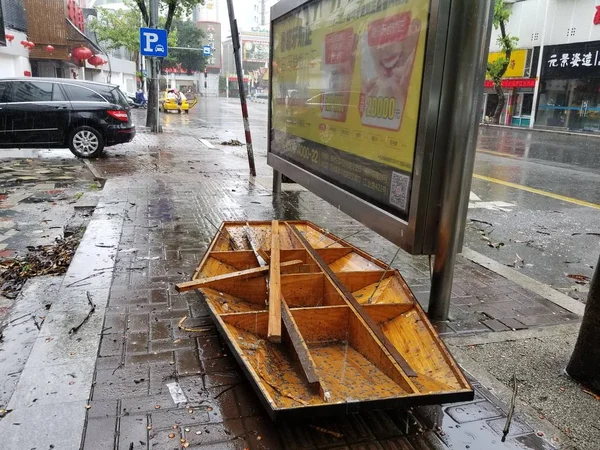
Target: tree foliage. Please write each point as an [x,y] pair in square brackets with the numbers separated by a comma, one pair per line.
[190,36]
[170,9]
[497,68]
[120,29]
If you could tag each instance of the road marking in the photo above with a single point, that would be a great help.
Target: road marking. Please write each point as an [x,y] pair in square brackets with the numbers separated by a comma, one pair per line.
[502,155]
[205,142]
[494,206]
[538,191]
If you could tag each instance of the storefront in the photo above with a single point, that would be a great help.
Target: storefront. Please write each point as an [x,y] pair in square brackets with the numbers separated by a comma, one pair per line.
[517,87]
[570,87]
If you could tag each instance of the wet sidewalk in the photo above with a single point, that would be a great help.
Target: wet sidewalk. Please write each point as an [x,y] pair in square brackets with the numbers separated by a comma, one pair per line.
[161,196]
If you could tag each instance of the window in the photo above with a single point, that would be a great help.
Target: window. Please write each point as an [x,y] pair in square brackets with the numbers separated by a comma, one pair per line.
[4,91]
[82,94]
[30,91]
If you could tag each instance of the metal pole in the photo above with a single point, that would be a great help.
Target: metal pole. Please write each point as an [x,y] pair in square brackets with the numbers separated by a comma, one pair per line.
[538,73]
[152,23]
[464,73]
[235,39]
[276,182]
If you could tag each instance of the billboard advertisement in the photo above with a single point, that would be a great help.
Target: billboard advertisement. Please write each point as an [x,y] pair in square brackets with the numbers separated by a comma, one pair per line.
[346,92]
[212,38]
[255,51]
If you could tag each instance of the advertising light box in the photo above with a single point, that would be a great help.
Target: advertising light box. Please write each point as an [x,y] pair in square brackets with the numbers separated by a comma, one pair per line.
[352,108]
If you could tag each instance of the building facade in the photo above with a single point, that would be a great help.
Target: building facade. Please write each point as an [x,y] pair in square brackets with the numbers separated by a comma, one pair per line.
[14,57]
[561,39]
[41,35]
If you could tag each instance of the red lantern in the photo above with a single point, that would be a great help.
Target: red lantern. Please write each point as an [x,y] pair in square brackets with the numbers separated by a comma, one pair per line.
[82,53]
[96,61]
[24,43]
[49,49]
[9,37]
[30,45]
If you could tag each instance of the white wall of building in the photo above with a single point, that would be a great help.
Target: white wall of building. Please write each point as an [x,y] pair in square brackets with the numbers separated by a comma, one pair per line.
[122,73]
[568,21]
[14,58]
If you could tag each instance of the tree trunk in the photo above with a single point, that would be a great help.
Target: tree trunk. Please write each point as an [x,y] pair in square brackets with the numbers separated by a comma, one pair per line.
[152,83]
[500,105]
[585,360]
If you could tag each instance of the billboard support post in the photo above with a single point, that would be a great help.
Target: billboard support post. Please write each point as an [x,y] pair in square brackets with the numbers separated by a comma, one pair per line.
[235,39]
[468,38]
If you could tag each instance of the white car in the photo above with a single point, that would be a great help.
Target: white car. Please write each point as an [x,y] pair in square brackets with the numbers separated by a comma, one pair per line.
[159,48]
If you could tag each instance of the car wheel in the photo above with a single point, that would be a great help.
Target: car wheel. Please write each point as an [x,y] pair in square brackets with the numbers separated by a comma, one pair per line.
[86,142]
[187,111]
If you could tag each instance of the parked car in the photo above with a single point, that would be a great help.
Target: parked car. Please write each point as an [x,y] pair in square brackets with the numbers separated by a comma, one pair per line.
[62,113]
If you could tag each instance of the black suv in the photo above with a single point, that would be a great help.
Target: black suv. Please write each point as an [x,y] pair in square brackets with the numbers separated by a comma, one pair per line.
[59,113]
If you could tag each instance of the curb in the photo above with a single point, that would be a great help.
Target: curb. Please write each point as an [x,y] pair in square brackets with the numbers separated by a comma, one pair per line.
[100,178]
[540,130]
[543,290]
[60,368]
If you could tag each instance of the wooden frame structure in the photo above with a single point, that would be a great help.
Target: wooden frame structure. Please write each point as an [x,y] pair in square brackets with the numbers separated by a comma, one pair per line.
[319,326]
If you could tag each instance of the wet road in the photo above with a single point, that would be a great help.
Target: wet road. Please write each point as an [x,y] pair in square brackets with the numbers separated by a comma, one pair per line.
[540,196]
[535,196]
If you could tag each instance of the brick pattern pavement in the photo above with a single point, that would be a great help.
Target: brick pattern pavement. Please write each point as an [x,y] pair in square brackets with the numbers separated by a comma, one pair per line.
[165,235]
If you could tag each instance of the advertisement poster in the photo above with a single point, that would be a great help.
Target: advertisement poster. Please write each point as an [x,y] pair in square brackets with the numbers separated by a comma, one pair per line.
[346,87]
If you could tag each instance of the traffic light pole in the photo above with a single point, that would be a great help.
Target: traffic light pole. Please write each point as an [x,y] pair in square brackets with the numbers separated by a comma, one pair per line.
[235,38]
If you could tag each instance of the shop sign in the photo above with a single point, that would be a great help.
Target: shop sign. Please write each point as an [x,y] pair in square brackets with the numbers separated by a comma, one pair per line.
[516,65]
[572,60]
[518,83]
[212,40]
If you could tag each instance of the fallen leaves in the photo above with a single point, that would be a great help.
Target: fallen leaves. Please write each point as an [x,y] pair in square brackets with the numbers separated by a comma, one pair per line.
[579,279]
[41,260]
[596,397]
[233,142]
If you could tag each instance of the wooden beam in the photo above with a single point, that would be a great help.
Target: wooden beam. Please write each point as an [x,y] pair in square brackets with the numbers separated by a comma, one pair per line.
[274,330]
[356,306]
[302,354]
[254,245]
[242,274]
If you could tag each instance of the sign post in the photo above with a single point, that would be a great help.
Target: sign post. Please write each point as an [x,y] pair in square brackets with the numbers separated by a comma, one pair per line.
[364,102]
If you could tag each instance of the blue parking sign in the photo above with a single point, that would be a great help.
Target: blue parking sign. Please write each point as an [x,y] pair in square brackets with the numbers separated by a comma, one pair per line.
[153,42]
[206,50]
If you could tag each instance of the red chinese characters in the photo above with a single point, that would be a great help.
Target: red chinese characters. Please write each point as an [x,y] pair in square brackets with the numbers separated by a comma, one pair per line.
[389,29]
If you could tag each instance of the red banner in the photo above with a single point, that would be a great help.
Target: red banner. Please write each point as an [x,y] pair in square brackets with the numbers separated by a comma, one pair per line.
[513,83]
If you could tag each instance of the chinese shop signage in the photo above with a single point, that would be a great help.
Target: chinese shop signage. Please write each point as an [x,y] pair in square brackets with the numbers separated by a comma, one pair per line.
[572,60]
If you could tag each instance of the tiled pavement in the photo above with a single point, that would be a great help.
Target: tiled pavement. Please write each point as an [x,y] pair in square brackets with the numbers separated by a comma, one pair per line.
[165,234]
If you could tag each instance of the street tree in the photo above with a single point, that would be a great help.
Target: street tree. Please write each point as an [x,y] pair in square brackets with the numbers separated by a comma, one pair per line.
[188,36]
[585,360]
[170,10]
[497,68]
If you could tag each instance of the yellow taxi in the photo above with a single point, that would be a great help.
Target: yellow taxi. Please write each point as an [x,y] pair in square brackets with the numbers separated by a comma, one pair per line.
[173,100]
